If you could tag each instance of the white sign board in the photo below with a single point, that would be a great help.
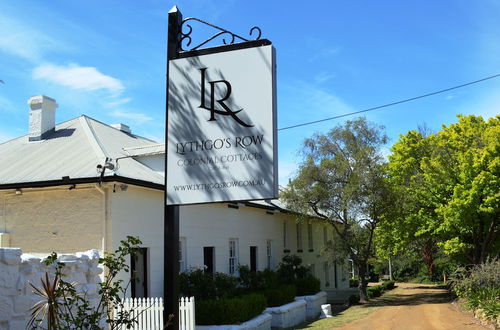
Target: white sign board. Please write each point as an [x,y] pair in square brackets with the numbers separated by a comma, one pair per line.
[222,143]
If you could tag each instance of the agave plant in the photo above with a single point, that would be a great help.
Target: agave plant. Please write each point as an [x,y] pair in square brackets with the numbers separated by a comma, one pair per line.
[47,307]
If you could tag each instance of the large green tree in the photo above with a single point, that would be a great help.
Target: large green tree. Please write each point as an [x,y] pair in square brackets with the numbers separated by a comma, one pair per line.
[413,221]
[449,188]
[342,181]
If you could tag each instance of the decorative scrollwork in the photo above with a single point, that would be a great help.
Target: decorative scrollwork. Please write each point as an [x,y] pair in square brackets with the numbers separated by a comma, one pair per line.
[231,37]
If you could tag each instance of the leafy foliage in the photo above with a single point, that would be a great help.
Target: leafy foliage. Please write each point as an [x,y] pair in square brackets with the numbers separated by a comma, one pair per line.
[342,180]
[257,281]
[280,295]
[291,268]
[204,285]
[66,306]
[449,192]
[219,296]
[229,310]
[480,286]
[354,299]
[309,285]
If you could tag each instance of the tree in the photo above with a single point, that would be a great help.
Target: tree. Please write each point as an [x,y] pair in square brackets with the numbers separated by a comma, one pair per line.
[413,220]
[342,180]
[450,187]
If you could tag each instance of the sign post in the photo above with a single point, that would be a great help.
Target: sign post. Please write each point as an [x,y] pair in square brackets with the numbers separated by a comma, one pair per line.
[221,136]
[171,212]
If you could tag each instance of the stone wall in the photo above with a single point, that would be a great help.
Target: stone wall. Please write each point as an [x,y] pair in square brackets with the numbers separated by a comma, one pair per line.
[17,270]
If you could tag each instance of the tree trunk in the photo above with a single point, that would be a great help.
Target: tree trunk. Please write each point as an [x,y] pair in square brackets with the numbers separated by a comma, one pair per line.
[363,283]
[428,259]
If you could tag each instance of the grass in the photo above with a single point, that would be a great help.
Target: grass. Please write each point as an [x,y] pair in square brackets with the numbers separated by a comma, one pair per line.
[352,313]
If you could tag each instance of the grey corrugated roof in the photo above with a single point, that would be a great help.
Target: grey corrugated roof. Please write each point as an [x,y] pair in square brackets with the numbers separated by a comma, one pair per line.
[75,149]
[147,150]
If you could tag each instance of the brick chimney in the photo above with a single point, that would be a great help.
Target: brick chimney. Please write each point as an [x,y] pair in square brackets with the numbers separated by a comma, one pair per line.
[42,117]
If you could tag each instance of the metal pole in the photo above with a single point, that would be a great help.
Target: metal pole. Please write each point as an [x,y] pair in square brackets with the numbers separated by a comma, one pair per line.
[171,212]
[390,269]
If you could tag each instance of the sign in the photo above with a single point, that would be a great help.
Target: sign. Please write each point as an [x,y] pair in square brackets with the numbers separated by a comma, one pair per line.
[222,143]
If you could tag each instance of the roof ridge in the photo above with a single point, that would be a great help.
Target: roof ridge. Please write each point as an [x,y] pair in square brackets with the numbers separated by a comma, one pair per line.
[92,138]
[144,146]
[132,134]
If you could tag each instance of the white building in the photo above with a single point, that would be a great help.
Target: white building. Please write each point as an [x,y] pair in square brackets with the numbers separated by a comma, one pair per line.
[83,185]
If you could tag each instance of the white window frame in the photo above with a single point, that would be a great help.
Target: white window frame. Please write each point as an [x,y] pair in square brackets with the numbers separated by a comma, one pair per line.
[233,256]
[182,255]
[286,245]
[310,242]
[270,254]
[326,273]
[299,236]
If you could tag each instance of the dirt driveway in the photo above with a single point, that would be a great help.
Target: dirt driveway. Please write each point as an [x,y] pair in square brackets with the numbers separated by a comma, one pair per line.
[416,306]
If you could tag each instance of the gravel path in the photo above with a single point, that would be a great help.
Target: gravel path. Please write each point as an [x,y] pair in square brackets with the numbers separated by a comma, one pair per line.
[417,306]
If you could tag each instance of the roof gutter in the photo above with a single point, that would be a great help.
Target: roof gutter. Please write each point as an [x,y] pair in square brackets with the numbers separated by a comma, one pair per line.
[69,181]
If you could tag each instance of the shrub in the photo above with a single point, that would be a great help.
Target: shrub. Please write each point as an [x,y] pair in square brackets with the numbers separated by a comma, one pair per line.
[229,310]
[354,282]
[257,281]
[388,285]
[307,286]
[480,287]
[205,285]
[374,291]
[354,299]
[291,268]
[281,295]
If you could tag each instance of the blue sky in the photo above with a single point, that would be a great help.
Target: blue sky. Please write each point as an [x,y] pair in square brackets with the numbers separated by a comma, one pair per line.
[106,59]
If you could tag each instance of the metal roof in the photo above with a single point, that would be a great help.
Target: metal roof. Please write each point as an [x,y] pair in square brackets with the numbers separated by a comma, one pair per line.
[74,150]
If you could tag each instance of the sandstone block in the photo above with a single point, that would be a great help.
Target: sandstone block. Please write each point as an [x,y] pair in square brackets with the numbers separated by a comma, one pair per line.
[6,308]
[10,256]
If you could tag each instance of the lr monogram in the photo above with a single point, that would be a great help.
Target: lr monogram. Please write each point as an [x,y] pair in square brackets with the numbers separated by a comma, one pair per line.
[225,111]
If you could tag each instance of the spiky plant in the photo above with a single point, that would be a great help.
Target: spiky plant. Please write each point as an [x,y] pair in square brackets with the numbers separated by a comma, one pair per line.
[47,308]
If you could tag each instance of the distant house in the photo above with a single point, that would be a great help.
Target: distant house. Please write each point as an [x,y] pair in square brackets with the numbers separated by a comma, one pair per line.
[83,185]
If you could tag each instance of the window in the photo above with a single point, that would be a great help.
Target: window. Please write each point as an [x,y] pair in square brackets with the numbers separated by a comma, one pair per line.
[325,235]
[269,254]
[182,254]
[285,237]
[299,237]
[253,259]
[139,273]
[326,270]
[310,237]
[233,255]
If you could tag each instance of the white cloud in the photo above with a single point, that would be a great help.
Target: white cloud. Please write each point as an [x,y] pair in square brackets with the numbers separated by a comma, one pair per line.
[78,77]
[317,102]
[137,118]
[115,103]
[323,77]
[324,53]
[21,40]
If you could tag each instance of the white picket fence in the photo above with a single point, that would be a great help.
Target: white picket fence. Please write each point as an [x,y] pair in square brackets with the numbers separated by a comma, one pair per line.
[186,313]
[149,313]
